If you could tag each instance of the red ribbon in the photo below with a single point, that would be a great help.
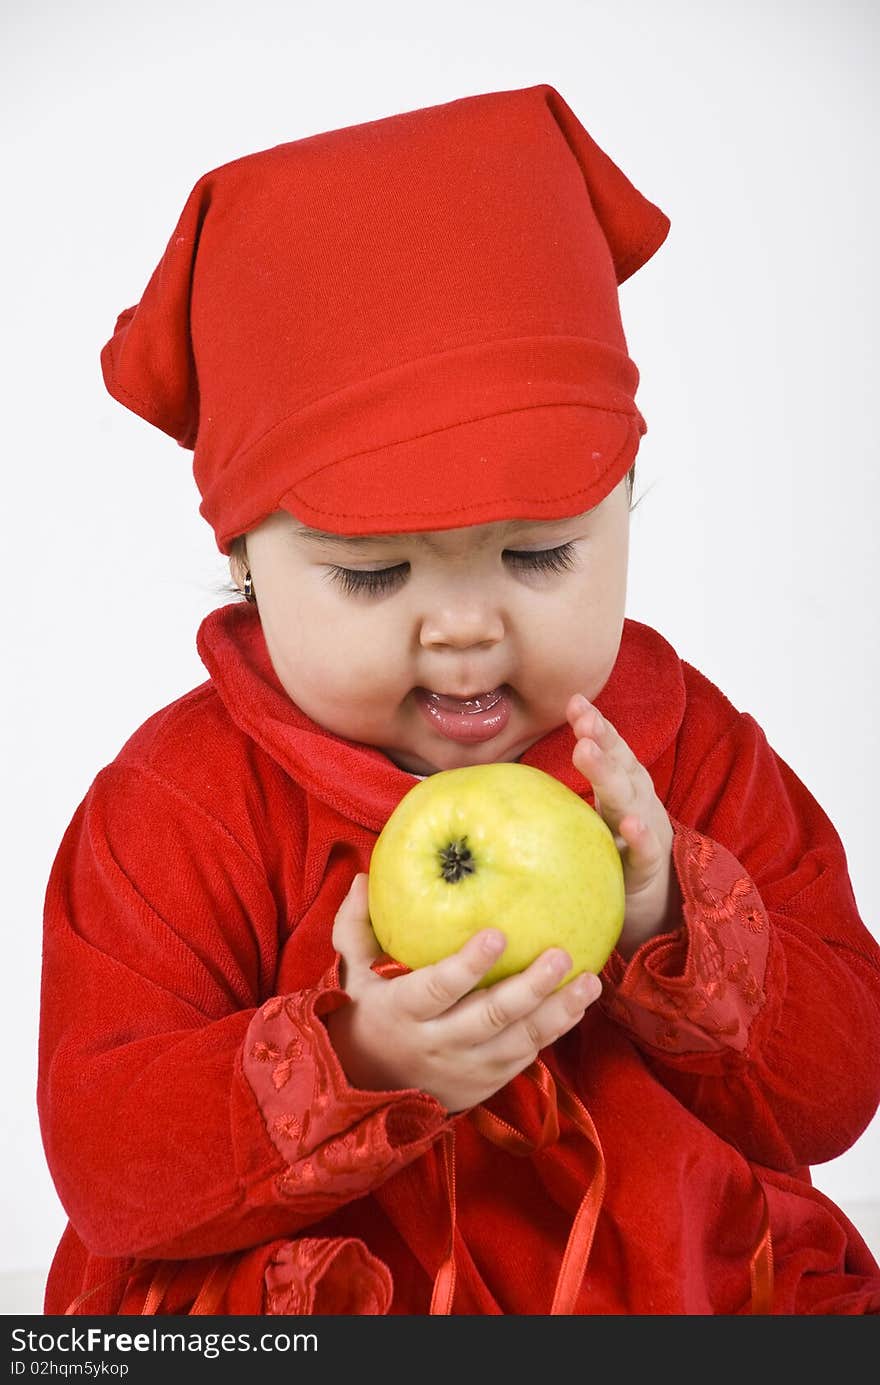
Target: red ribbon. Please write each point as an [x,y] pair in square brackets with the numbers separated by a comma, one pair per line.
[580,1237]
[761,1265]
[573,1265]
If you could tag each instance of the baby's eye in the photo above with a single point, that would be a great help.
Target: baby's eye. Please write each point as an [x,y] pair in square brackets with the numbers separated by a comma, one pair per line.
[542,559]
[368,582]
[380,581]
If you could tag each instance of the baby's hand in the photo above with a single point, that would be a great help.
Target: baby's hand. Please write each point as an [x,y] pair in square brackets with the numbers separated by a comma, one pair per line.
[430,1029]
[625,798]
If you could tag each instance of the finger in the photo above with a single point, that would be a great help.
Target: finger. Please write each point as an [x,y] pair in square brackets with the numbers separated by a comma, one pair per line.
[638,840]
[433,989]
[589,724]
[576,707]
[494,1010]
[596,738]
[521,1042]
[585,717]
[353,935]
[616,775]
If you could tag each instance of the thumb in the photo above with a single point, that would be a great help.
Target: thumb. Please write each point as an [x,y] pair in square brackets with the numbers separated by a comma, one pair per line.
[353,936]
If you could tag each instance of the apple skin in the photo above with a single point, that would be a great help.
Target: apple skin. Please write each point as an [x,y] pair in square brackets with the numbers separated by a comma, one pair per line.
[523,853]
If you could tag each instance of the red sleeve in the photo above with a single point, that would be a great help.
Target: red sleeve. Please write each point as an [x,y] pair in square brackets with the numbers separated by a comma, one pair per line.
[182,1114]
[762,1012]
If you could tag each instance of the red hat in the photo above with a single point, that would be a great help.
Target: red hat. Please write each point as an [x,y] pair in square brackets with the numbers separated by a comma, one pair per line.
[403,325]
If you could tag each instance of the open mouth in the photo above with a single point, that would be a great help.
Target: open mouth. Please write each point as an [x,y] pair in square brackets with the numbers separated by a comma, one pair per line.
[475,705]
[476,718]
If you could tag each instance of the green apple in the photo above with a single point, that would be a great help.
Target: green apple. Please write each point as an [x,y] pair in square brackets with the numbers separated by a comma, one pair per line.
[499,845]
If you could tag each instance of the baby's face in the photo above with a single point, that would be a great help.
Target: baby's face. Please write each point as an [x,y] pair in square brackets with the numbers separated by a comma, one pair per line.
[449,648]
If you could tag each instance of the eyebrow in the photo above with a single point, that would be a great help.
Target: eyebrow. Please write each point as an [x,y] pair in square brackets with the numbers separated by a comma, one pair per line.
[349,541]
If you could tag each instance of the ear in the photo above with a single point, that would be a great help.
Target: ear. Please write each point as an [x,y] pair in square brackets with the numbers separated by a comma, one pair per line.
[238,562]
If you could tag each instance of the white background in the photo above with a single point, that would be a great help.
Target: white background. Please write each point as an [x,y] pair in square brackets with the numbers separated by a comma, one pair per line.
[754,545]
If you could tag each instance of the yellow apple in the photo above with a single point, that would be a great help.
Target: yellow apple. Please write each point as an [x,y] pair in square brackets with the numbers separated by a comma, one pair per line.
[498,845]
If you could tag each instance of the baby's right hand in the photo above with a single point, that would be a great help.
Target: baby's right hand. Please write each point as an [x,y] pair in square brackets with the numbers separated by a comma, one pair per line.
[430,1029]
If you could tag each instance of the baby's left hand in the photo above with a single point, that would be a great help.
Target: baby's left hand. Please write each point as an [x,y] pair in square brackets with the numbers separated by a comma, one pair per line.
[625,798]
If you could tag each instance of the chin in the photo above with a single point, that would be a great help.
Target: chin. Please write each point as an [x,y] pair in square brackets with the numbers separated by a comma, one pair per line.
[452,755]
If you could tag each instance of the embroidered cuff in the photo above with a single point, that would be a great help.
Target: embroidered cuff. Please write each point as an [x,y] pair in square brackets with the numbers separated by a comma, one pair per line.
[697,990]
[327,1275]
[335,1139]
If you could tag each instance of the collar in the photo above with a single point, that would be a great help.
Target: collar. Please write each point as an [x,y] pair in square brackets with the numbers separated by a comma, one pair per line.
[643,698]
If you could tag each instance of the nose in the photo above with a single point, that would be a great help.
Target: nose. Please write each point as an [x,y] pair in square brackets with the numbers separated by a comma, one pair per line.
[463,619]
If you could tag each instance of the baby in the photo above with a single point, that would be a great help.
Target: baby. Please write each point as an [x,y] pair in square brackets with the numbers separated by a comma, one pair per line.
[396,351]
[464,646]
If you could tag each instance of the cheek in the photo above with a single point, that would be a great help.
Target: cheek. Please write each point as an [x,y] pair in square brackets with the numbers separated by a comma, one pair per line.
[347,655]
[575,643]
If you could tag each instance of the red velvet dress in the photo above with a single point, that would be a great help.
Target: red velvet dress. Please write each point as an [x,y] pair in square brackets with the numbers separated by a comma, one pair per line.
[211,1155]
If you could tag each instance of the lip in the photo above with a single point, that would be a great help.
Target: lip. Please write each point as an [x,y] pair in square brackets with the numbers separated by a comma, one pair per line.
[471,719]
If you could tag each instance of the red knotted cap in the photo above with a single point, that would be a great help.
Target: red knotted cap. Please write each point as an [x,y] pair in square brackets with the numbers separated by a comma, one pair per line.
[403,325]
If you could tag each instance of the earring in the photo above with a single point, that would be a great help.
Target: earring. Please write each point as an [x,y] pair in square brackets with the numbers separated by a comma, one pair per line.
[249,588]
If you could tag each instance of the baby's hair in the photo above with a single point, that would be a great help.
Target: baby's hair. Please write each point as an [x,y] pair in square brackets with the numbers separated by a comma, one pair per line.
[238,547]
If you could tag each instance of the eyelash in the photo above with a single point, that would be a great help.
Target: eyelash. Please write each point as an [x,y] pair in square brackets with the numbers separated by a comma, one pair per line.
[356,582]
